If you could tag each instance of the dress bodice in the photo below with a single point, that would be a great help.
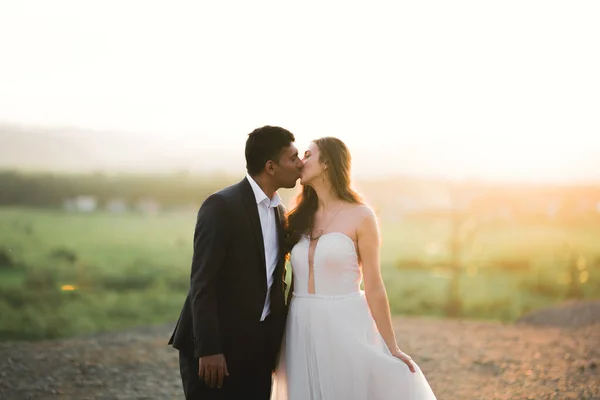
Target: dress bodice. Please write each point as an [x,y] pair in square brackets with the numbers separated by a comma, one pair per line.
[335,264]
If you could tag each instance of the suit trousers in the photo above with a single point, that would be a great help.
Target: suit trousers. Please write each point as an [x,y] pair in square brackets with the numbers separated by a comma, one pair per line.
[249,375]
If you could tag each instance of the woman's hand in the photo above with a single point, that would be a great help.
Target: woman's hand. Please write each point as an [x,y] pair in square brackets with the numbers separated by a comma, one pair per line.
[406,359]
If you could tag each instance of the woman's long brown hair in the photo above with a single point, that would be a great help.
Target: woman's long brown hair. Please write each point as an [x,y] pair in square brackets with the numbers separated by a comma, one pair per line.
[335,154]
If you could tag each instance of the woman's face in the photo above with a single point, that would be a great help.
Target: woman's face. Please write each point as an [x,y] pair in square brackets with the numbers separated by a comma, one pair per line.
[313,167]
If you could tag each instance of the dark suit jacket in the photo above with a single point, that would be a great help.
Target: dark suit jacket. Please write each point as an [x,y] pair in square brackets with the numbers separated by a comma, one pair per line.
[228,283]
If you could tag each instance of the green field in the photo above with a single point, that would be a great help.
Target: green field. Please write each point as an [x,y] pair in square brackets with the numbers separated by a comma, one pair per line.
[63,274]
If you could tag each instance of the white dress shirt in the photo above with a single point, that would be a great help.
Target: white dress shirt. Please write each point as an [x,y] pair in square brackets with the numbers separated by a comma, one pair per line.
[268,223]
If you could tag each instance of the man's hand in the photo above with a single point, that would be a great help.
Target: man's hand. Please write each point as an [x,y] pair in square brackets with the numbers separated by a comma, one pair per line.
[213,370]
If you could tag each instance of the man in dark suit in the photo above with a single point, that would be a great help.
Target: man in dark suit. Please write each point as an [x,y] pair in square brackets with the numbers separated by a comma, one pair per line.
[231,325]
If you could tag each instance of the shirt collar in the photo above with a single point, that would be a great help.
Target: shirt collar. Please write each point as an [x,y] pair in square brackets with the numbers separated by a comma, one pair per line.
[261,196]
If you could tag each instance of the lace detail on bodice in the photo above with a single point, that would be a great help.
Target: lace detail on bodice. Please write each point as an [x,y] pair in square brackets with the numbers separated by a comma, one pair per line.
[336,266]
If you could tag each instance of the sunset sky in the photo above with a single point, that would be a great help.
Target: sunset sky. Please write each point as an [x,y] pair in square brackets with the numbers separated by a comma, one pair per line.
[496,90]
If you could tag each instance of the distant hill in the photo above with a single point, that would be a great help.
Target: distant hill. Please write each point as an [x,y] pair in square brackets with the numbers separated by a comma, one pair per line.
[42,149]
[81,150]
[68,149]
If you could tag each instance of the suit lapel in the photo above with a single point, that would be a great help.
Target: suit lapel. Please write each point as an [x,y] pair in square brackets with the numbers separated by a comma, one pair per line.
[252,211]
[280,218]
[281,270]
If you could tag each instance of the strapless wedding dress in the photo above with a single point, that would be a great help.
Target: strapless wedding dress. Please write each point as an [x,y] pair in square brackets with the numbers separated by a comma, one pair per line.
[332,349]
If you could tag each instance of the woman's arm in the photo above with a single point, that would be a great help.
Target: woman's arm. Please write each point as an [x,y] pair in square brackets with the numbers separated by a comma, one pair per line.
[368,247]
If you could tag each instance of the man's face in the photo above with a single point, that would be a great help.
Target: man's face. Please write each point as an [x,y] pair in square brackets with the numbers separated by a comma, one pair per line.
[289,168]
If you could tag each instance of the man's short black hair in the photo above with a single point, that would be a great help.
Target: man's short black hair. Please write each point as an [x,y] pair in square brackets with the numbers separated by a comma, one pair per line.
[265,144]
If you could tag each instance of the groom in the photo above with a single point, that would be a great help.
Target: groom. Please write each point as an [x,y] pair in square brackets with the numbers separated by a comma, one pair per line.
[231,326]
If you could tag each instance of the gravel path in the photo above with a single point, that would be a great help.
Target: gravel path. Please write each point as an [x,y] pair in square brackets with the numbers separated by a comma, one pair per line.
[461,359]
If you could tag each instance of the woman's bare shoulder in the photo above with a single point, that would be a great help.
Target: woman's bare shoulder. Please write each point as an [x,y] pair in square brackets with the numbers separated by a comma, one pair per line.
[358,214]
[362,210]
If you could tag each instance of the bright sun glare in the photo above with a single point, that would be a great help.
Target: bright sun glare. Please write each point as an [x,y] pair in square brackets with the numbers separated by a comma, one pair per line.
[505,90]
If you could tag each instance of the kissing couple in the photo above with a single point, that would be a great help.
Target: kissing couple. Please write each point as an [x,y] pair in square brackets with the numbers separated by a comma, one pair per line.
[240,337]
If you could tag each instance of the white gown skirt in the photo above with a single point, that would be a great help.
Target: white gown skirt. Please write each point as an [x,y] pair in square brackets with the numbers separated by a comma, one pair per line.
[333,351]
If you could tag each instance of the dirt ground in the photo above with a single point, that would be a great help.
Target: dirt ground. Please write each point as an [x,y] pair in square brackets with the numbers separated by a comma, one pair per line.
[538,358]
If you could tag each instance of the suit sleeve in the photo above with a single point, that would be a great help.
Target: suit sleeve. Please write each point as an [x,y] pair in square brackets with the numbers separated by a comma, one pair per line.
[211,237]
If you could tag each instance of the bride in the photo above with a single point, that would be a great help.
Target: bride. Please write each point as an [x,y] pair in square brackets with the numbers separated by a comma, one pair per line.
[339,341]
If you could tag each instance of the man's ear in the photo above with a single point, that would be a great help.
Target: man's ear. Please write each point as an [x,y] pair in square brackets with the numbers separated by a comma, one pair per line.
[270,167]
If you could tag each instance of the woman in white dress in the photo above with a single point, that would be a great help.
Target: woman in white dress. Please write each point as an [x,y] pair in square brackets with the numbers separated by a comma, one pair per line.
[339,342]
